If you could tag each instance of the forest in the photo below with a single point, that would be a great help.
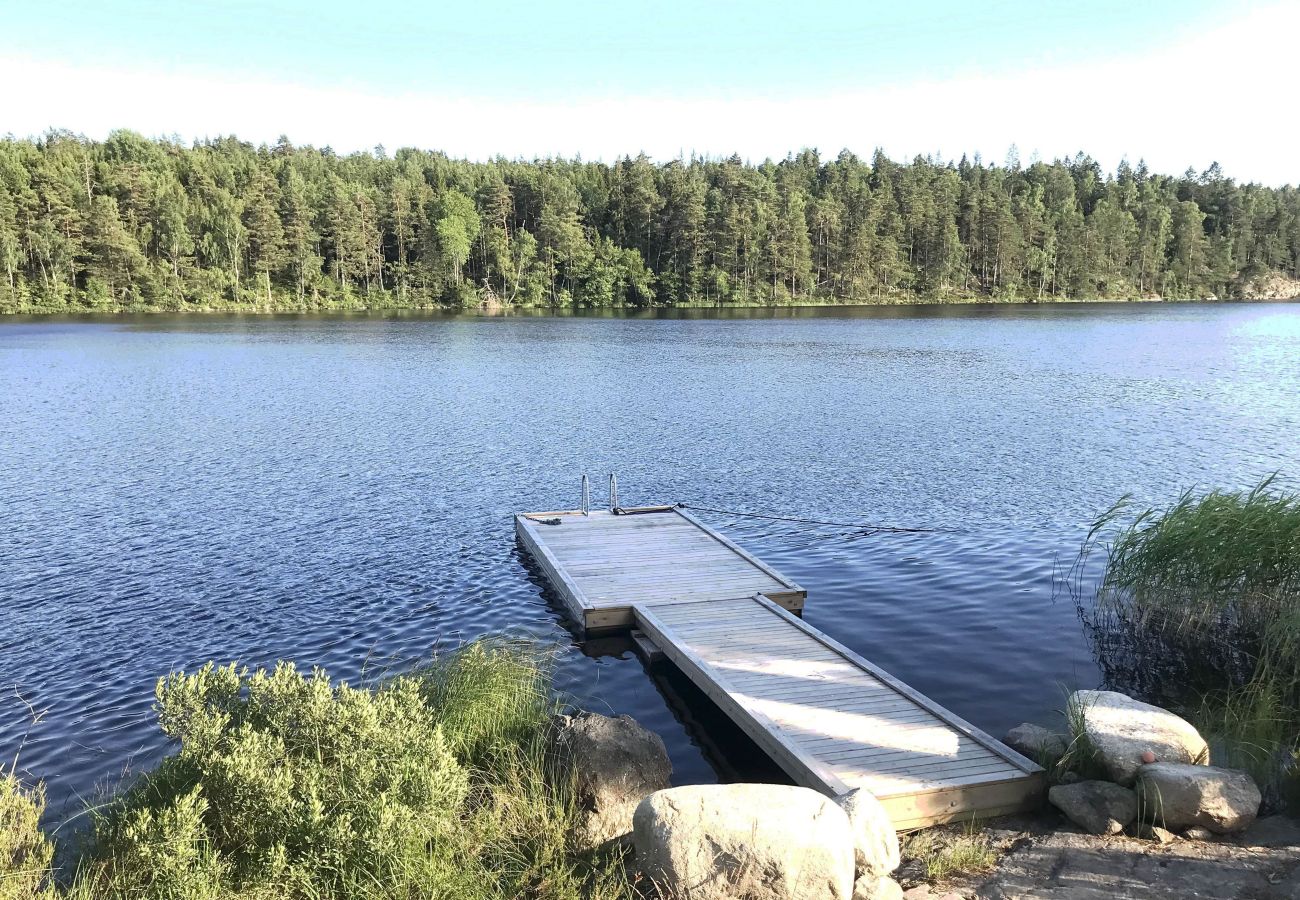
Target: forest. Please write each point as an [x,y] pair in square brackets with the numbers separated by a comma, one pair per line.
[137,224]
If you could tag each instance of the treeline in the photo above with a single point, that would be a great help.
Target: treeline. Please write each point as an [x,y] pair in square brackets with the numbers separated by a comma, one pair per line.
[131,223]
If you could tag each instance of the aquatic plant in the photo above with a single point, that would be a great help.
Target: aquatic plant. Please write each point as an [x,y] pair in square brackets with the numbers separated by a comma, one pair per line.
[1199,607]
[286,784]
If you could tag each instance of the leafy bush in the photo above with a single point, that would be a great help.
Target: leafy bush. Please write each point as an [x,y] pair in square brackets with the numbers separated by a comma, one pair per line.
[288,785]
[25,852]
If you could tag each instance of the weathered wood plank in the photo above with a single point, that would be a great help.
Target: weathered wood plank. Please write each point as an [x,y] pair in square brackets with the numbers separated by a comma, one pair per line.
[801,767]
[958,723]
[794,694]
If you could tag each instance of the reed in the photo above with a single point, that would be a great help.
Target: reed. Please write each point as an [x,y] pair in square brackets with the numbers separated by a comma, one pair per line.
[1199,605]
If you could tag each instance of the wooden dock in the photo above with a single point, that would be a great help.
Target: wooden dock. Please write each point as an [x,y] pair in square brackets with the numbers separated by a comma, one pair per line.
[602,563]
[831,719]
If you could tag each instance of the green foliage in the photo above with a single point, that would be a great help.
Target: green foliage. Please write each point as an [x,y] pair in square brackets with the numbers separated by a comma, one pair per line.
[943,853]
[130,223]
[1204,597]
[488,698]
[287,785]
[1216,568]
[25,852]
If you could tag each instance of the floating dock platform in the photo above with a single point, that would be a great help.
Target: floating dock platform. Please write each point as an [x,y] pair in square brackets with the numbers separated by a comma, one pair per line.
[603,563]
[832,720]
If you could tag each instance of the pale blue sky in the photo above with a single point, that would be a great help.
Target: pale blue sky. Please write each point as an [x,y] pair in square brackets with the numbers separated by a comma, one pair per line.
[1168,80]
[506,48]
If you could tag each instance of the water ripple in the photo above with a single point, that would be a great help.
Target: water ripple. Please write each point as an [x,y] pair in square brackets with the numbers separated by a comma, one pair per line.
[339,491]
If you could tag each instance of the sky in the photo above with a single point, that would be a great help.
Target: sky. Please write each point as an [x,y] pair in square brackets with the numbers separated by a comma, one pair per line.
[1178,83]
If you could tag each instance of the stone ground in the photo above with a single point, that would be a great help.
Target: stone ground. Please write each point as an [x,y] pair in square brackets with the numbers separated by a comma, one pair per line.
[1045,857]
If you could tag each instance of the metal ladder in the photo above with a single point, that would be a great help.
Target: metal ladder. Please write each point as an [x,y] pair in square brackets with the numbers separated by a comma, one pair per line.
[613,494]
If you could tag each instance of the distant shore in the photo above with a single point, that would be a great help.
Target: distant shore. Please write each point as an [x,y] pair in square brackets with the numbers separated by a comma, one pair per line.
[217,309]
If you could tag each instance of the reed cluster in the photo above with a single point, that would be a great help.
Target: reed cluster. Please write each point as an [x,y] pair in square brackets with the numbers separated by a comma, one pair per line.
[1201,602]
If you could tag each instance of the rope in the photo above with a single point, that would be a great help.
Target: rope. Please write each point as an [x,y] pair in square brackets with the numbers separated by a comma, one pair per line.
[859,526]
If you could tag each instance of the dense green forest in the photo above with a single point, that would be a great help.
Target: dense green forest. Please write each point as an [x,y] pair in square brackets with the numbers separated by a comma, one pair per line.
[132,223]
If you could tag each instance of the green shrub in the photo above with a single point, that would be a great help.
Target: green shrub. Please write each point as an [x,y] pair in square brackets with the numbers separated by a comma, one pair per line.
[288,785]
[25,852]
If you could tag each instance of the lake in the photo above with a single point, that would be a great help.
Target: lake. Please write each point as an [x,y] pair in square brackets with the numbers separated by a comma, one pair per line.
[339,490]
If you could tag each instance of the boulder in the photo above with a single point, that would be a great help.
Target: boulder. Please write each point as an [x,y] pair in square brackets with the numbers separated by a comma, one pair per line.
[1120,730]
[757,841]
[870,887]
[1176,795]
[1098,807]
[875,842]
[1040,744]
[615,763]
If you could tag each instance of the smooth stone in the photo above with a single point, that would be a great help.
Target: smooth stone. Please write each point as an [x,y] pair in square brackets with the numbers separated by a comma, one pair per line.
[875,842]
[1120,729]
[1147,832]
[615,764]
[757,841]
[1098,807]
[1040,744]
[869,887]
[1177,795]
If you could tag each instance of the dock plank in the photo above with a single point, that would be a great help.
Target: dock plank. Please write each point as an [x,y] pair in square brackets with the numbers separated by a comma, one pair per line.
[832,721]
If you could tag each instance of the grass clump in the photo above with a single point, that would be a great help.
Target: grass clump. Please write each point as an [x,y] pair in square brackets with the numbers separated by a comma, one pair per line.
[25,852]
[946,853]
[288,785]
[1199,607]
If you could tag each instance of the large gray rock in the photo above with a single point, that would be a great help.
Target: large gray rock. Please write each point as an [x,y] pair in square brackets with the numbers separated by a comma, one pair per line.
[875,842]
[1098,807]
[1121,729]
[1176,795]
[756,841]
[614,765]
[1040,744]
[871,887]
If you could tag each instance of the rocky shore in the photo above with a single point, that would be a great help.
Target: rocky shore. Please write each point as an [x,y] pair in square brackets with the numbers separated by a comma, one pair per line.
[1135,810]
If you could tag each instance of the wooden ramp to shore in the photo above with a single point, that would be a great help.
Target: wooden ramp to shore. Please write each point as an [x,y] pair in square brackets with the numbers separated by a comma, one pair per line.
[831,719]
[834,721]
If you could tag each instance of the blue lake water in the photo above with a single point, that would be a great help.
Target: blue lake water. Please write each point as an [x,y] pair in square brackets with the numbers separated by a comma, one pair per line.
[339,490]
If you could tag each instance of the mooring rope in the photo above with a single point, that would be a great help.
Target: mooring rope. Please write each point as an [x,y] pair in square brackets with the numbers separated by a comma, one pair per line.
[857,526]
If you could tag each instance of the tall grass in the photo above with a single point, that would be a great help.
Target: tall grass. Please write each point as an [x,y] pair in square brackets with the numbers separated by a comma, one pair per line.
[288,785]
[25,852]
[1200,603]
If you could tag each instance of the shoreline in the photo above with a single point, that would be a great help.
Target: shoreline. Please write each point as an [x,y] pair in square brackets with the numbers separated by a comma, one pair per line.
[625,311]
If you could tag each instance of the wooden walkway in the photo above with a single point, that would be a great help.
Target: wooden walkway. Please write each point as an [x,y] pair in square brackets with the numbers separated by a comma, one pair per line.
[831,719]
